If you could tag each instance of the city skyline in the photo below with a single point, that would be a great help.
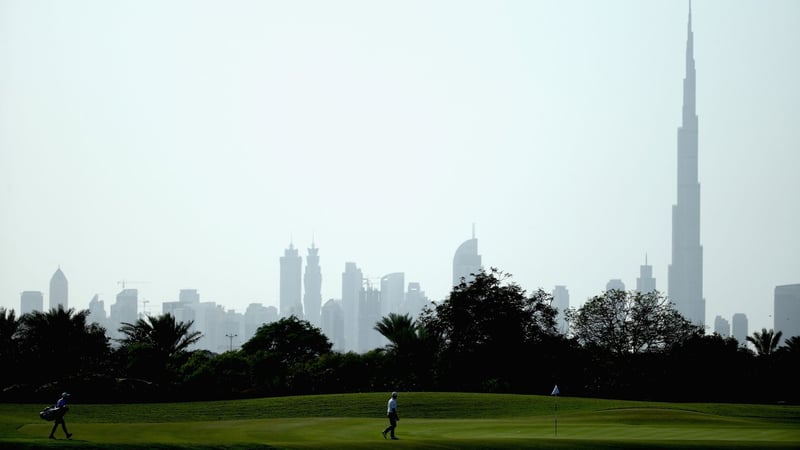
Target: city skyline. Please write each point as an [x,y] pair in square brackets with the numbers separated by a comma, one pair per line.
[190,156]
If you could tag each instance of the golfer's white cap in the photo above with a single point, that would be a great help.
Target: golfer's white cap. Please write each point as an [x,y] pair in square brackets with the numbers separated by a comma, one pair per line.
[394,394]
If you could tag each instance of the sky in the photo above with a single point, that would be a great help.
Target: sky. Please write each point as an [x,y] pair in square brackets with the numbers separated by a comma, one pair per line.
[186,144]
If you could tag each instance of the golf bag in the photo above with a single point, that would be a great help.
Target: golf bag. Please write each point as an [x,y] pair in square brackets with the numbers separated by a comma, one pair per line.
[50,413]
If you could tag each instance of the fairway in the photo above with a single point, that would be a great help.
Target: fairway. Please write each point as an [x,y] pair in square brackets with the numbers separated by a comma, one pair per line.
[428,421]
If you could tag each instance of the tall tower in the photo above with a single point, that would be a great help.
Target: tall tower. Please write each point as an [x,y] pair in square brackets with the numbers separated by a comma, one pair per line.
[291,283]
[466,261]
[686,271]
[645,283]
[352,282]
[59,290]
[312,281]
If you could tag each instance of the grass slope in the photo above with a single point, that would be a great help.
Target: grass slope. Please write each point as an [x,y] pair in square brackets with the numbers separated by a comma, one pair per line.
[429,420]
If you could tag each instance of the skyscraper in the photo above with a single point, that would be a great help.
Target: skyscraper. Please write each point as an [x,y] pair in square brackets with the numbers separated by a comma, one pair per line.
[291,283]
[393,287]
[59,290]
[30,301]
[686,270]
[466,261]
[352,280]
[312,282]
[739,328]
[561,303]
[645,283]
[787,311]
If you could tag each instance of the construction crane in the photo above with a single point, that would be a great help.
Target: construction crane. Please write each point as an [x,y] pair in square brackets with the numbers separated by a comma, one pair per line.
[124,282]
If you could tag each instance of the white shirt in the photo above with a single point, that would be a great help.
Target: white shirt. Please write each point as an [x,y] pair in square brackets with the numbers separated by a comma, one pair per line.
[392,405]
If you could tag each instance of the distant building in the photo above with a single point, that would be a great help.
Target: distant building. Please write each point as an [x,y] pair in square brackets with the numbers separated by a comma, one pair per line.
[291,283]
[59,290]
[333,324]
[415,300]
[686,270]
[466,261]
[30,301]
[722,327]
[645,283]
[739,329]
[352,280]
[561,303]
[124,310]
[312,282]
[615,284]
[369,314]
[392,292]
[787,311]
[257,315]
[97,311]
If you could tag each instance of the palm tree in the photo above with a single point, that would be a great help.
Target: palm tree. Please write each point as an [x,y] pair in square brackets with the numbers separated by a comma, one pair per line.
[61,340]
[155,346]
[163,333]
[400,330]
[766,342]
[8,345]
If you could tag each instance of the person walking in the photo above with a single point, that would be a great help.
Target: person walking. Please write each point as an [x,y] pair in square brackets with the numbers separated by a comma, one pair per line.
[61,409]
[391,413]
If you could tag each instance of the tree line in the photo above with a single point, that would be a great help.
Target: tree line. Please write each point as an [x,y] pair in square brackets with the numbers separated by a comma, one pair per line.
[488,335]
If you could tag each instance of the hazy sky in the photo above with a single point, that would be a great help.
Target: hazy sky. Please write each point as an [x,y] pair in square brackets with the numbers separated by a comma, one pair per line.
[185,144]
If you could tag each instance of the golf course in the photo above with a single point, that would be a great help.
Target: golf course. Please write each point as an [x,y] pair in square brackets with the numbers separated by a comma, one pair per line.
[428,420]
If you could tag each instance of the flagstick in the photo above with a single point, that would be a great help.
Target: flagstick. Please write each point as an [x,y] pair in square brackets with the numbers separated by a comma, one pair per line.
[555,393]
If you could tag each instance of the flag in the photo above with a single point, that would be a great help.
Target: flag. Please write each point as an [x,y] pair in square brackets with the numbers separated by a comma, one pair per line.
[555,391]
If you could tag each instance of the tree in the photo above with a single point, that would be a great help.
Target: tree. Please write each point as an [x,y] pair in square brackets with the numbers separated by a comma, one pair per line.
[791,345]
[154,346]
[482,322]
[63,342]
[766,342]
[409,351]
[163,333]
[293,339]
[632,322]
[8,344]
[278,352]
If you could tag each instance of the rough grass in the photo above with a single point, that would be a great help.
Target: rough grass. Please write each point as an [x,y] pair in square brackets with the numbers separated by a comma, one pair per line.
[431,420]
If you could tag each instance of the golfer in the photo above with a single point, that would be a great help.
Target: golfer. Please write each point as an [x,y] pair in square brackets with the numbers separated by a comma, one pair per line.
[391,413]
[61,409]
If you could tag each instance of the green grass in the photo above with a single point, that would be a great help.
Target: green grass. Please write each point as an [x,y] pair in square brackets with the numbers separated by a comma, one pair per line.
[429,420]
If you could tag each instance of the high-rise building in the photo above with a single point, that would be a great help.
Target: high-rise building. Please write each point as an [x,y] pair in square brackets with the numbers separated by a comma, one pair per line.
[615,284]
[686,270]
[352,280]
[787,311]
[291,283]
[466,261]
[59,290]
[739,328]
[392,292]
[125,309]
[561,303]
[369,313]
[415,300]
[645,283]
[333,324]
[30,301]
[97,310]
[312,281]
[722,327]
